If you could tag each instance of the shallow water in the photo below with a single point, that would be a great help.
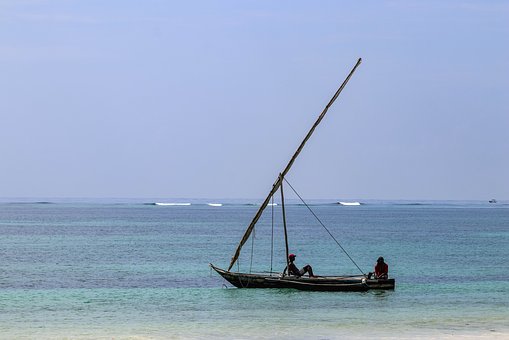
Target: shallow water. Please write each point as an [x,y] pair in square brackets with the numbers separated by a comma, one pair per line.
[127,269]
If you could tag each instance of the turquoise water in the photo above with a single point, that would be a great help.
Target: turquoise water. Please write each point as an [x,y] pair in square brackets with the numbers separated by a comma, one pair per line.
[125,269]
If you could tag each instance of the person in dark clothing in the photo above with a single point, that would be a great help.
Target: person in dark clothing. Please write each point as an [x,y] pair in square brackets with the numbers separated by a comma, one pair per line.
[381,269]
[293,270]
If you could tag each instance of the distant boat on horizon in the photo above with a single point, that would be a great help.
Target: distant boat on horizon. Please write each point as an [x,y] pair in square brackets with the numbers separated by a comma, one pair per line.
[492,200]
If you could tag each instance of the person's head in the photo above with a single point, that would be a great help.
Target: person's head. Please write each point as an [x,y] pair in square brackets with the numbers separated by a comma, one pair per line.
[291,257]
[380,260]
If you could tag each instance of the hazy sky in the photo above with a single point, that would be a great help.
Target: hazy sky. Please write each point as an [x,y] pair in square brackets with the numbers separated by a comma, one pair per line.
[211,98]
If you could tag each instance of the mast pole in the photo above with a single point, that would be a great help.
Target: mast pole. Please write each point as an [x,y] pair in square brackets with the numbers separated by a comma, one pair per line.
[284,227]
[278,182]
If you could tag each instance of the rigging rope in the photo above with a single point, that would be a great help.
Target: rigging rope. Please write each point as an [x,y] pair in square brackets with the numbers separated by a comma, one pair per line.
[272,237]
[252,249]
[312,212]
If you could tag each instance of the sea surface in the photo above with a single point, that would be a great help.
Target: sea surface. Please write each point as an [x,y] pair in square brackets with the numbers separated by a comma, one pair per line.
[127,268]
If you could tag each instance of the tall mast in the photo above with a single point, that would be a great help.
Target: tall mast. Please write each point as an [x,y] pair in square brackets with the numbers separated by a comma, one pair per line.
[284,227]
[279,180]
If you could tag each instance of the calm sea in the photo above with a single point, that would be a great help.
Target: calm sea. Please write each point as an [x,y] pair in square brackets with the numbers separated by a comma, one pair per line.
[129,269]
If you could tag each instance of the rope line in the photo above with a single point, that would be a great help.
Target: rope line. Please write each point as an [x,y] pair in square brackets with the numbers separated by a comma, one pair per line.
[323,225]
[252,250]
[272,237]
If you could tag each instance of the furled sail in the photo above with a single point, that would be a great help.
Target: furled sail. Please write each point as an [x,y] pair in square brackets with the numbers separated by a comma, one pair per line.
[279,180]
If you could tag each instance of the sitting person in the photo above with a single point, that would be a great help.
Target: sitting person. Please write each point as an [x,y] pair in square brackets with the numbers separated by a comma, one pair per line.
[381,269]
[293,270]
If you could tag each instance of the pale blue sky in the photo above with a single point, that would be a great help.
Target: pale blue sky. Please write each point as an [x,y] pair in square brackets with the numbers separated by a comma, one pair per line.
[211,98]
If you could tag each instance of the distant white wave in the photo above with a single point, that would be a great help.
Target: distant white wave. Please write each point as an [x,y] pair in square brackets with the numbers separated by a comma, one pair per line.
[349,203]
[170,204]
[215,204]
[271,204]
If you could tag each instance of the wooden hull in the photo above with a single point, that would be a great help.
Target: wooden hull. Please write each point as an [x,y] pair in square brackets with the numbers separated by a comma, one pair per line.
[321,283]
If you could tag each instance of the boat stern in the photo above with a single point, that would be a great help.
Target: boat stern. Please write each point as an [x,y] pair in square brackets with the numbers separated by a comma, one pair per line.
[381,284]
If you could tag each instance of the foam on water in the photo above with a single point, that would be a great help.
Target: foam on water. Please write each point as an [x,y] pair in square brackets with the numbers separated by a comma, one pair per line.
[349,203]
